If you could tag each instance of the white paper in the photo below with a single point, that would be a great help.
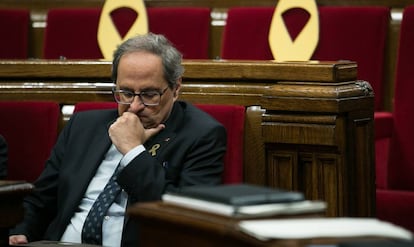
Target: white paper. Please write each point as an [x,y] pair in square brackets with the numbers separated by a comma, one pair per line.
[322,227]
[246,211]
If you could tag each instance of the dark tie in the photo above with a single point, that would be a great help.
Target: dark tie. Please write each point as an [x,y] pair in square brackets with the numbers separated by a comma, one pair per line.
[92,228]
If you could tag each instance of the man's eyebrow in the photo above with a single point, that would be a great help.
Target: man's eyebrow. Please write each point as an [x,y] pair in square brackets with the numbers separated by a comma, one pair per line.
[142,90]
[126,89]
[150,89]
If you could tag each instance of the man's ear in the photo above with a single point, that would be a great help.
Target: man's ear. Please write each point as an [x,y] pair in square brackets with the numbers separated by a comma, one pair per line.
[177,89]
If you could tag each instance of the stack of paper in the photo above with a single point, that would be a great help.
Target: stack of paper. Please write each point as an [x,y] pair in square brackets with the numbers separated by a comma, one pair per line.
[243,200]
[321,228]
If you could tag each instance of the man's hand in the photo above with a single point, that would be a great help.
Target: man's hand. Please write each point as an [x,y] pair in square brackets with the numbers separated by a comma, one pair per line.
[127,132]
[17,239]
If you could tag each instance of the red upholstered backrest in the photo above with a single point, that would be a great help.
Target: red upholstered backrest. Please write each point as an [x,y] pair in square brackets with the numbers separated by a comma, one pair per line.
[356,34]
[245,35]
[72,32]
[232,118]
[84,106]
[188,28]
[401,164]
[346,33]
[383,129]
[14,24]
[30,129]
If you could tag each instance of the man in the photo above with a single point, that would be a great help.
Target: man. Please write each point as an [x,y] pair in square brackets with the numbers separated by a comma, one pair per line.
[161,144]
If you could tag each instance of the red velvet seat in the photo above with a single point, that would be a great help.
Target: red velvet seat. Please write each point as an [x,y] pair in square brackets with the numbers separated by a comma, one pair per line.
[30,129]
[72,33]
[231,116]
[395,138]
[14,24]
[346,33]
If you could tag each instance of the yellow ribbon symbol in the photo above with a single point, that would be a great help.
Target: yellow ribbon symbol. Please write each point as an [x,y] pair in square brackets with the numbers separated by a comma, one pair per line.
[154,149]
[282,46]
[108,36]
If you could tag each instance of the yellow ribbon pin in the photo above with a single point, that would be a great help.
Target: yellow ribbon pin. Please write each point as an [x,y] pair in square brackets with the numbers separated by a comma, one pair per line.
[154,149]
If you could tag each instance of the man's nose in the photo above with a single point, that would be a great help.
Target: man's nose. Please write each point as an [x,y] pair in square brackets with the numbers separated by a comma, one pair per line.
[137,104]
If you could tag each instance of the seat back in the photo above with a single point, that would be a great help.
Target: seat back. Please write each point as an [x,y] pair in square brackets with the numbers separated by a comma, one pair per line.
[72,32]
[346,33]
[188,28]
[30,130]
[401,162]
[14,24]
[231,116]
[90,105]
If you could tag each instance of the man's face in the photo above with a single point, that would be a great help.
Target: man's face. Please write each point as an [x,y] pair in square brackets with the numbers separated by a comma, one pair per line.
[142,72]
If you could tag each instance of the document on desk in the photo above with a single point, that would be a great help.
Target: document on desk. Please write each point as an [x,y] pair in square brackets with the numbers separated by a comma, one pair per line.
[244,200]
[322,228]
[249,211]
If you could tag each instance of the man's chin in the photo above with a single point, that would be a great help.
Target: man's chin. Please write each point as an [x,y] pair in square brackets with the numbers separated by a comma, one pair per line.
[149,125]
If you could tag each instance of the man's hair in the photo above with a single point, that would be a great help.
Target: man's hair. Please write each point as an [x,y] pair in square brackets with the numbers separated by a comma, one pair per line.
[158,45]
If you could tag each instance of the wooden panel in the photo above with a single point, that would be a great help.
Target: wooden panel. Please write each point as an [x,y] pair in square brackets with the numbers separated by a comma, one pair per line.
[282,169]
[328,176]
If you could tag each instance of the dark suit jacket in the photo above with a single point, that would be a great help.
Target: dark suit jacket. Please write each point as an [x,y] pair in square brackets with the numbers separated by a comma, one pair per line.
[188,151]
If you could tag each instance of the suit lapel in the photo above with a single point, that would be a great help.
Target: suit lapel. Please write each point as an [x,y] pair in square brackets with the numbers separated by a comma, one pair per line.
[158,144]
[97,146]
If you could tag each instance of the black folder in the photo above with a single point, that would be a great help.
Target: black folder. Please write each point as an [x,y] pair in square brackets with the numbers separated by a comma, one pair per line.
[241,194]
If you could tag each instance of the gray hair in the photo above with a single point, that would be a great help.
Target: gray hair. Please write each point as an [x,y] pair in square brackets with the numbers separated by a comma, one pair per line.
[158,45]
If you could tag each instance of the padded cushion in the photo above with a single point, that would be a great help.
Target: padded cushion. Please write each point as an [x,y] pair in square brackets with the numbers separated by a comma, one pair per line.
[72,32]
[14,24]
[346,33]
[356,34]
[395,203]
[396,207]
[245,35]
[383,129]
[30,131]
[84,106]
[232,118]
[401,165]
[188,28]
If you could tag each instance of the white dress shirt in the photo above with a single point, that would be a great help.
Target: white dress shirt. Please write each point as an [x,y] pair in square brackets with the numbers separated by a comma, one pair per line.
[114,219]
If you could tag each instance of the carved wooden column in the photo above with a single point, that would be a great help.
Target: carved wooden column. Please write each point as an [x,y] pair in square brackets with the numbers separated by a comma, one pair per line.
[318,138]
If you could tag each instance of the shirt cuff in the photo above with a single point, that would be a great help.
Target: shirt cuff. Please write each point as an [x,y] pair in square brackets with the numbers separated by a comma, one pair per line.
[132,154]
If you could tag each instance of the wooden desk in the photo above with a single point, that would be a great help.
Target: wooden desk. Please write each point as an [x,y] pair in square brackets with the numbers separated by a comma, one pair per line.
[11,206]
[162,224]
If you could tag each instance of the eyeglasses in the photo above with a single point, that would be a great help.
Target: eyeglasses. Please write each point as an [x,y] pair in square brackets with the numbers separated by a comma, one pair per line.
[148,98]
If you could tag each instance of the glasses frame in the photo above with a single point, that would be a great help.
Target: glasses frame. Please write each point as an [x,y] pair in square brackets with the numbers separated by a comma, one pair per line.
[161,93]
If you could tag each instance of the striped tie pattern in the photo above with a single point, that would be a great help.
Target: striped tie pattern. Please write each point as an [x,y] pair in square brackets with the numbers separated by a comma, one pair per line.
[92,228]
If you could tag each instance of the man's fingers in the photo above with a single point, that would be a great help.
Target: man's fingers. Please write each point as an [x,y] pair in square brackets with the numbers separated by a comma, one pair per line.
[17,239]
[153,131]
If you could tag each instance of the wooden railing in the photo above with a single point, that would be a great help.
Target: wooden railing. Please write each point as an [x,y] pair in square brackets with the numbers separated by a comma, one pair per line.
[309,126]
